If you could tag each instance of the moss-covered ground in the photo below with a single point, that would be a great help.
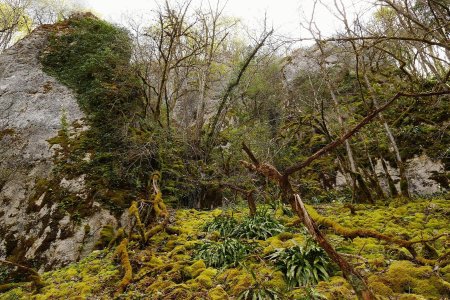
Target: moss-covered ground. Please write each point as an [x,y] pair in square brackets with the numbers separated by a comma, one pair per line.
[169,267]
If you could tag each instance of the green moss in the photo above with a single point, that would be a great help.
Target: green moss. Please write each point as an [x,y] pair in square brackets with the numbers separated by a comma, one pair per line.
[405,277]
[379,288]
[94,275]
[236,280]
[445,271]
[166,269]
[97,67]
[195,269]
[336,288]
[218,293]
[206,277]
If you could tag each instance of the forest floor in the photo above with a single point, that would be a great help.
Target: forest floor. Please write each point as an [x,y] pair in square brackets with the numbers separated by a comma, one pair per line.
[201,256]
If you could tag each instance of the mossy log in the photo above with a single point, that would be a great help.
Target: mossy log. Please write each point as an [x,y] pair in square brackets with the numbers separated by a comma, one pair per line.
[9,286]
[369,233]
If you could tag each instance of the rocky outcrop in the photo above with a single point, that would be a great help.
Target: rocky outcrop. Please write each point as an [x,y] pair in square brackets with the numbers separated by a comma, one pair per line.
[32,229]
[425,176]
[422,172]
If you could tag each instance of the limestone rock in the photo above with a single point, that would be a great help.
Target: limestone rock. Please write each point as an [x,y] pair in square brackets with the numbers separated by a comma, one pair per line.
[31,106]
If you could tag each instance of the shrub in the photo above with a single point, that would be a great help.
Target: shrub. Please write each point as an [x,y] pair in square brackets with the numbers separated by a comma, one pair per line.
[222,254]
[302,266]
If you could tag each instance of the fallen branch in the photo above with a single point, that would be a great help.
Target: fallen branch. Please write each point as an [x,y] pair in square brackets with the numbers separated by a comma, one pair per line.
[353,277]
[369,233]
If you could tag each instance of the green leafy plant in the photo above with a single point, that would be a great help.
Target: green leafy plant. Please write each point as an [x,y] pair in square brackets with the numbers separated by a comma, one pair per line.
[222,254]
[225,225]
[302,266]
[261,226]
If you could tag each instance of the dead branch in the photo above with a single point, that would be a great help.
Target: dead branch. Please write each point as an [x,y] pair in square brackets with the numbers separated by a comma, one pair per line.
[248,194]
[377,39]
[354,278]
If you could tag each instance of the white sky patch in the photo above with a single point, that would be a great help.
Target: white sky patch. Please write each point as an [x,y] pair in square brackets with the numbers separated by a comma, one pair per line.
[284,15]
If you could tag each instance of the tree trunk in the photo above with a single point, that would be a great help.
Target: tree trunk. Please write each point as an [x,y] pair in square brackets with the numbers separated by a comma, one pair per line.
[391,184]
[348,148]
[404,186]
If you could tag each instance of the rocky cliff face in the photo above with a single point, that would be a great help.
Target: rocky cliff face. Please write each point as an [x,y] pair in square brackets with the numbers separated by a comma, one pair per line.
[33,229]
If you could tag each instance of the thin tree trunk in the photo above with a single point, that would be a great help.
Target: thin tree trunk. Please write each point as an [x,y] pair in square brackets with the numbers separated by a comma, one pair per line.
[374,177]
[391,185]
[404,186]
[213,128]
[348,148]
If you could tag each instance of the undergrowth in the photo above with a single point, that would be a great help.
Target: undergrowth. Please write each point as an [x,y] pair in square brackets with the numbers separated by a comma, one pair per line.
[179,264]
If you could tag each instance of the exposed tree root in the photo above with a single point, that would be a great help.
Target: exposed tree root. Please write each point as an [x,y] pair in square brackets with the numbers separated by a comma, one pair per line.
[122,253]
[159,211]
[34,277]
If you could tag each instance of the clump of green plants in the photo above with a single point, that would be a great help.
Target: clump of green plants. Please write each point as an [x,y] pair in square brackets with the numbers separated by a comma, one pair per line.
[222,254]
[223,224]
[302,266]
[260,227]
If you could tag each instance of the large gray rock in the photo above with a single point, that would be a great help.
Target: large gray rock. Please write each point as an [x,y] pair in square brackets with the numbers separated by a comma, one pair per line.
[422,174]
[31,106]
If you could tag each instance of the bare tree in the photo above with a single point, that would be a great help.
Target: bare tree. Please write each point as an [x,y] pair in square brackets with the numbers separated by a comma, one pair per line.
[13,20]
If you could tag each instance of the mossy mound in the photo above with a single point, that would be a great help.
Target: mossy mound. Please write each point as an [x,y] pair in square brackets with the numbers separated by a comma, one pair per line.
[91,277]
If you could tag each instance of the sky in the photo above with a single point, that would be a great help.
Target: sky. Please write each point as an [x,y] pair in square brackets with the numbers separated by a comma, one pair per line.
[283,15]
